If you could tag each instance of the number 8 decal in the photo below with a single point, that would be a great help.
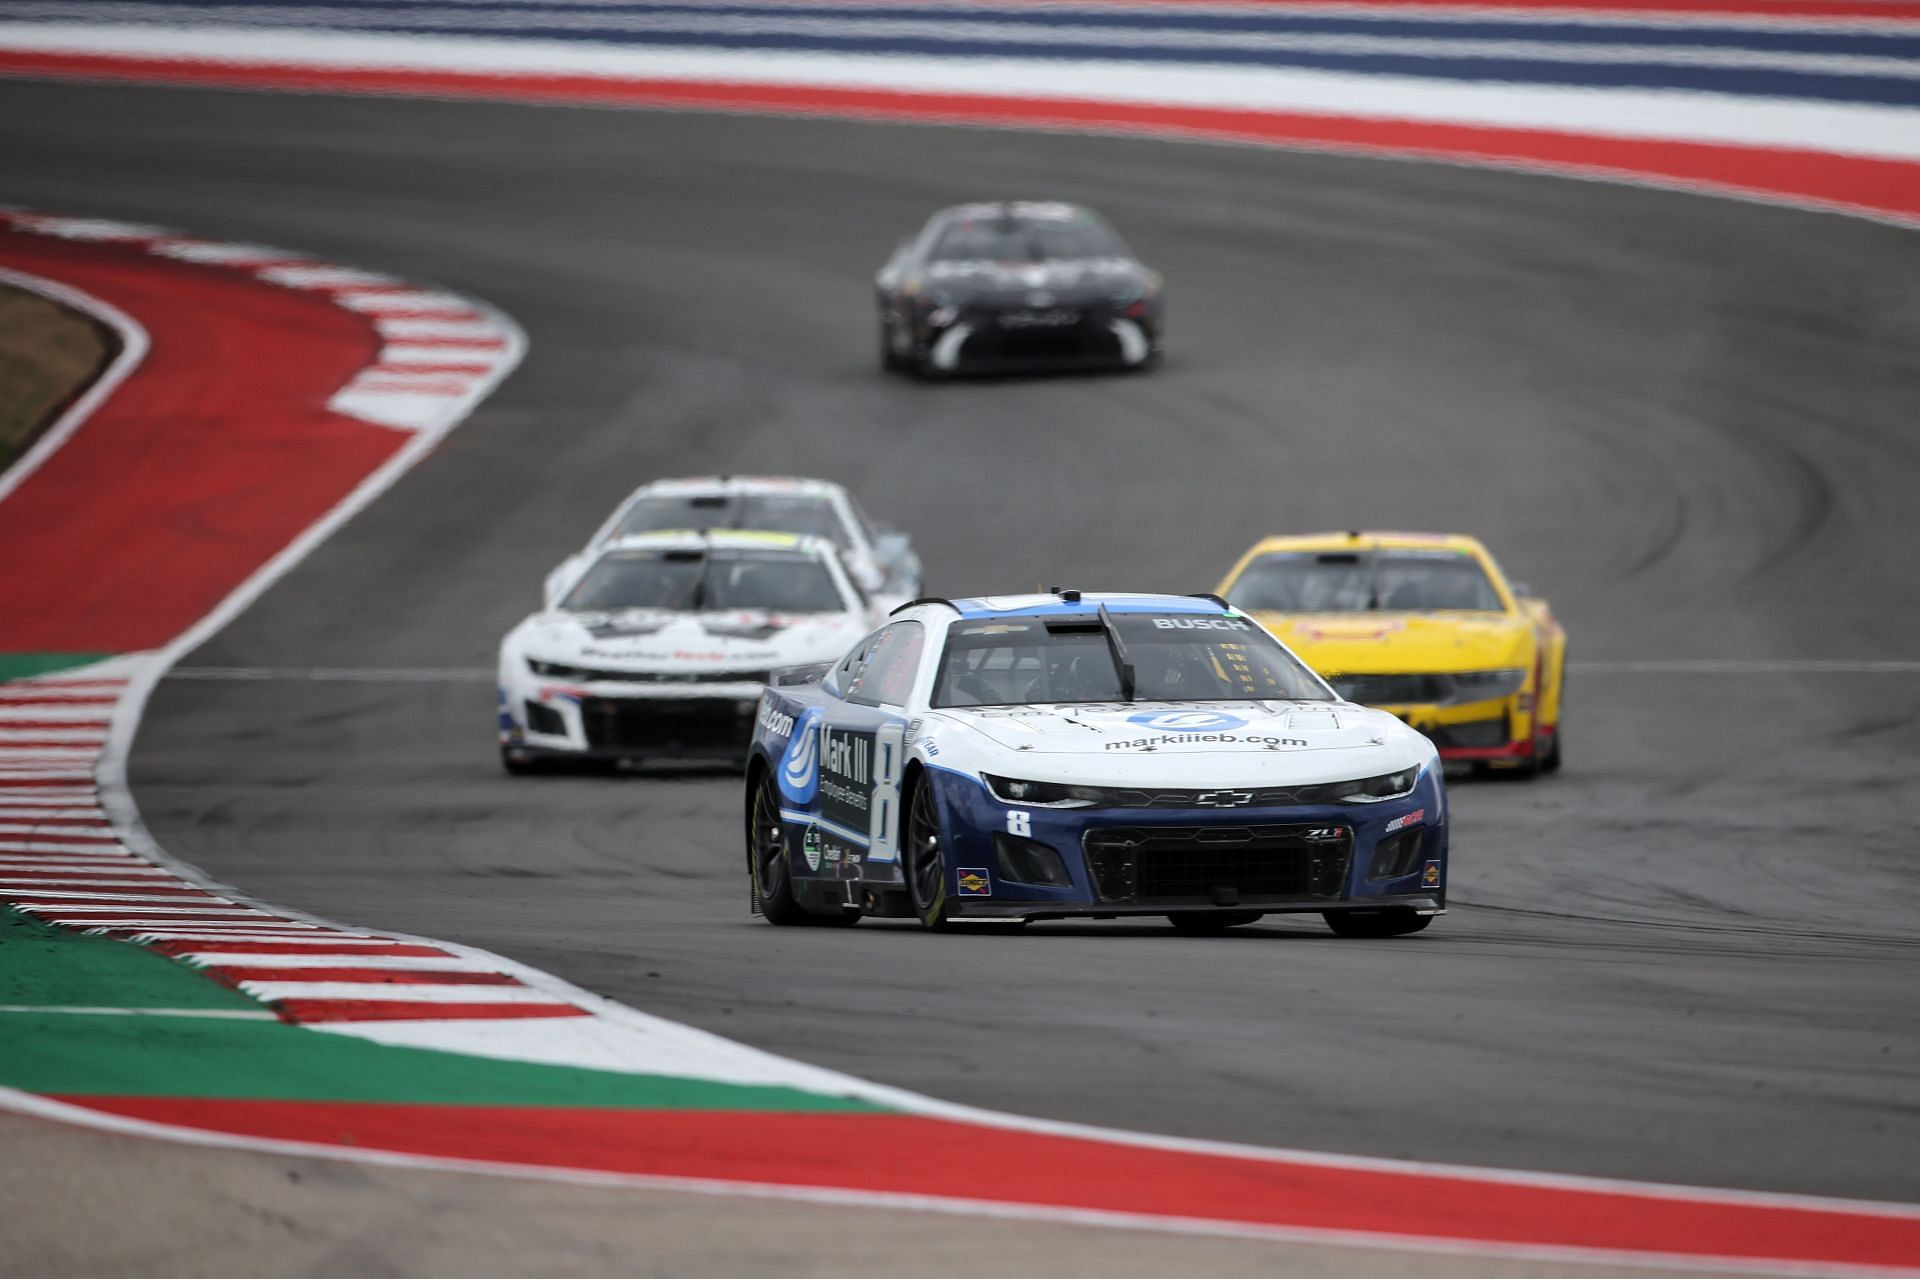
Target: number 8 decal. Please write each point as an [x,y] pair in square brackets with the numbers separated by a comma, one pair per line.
[1020,823]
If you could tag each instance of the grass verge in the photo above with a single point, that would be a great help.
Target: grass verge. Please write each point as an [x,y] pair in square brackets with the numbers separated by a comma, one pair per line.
[48,355]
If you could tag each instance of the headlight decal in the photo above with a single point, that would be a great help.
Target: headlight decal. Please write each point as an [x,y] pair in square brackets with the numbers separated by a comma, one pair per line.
[1064,795]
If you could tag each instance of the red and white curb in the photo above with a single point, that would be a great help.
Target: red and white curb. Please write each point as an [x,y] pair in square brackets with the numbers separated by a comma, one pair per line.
[440,353]
[74,853]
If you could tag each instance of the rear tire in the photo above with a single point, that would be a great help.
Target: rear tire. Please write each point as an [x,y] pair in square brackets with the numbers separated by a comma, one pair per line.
[1551,764]
[1396,921]
[1208,922]
[770,880]
[926,863]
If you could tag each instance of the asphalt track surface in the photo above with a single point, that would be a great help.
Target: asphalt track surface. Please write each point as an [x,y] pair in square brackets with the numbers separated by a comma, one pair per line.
[1692,957]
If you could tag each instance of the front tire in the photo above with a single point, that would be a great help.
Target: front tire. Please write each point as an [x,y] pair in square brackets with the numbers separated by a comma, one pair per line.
[891,360]
[1397,921]
[519,764]
[771,881]
[1210,922]
[926,862]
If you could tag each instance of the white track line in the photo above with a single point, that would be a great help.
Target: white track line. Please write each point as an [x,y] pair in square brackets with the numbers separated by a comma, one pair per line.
[395,992]
[336,959]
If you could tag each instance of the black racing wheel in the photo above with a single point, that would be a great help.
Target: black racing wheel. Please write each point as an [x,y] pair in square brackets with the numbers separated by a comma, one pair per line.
[926,863]
[772,882]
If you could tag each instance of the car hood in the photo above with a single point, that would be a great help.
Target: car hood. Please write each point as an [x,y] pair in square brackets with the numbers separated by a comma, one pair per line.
[1189,743]
[1036,284]
[644,640]
[1382,643]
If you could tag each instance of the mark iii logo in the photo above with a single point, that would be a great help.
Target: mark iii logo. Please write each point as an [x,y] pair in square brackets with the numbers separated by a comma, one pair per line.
[800,766]
[1186,721]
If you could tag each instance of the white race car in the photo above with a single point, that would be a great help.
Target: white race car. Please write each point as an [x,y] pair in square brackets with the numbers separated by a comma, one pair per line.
[879,559]
[657,646]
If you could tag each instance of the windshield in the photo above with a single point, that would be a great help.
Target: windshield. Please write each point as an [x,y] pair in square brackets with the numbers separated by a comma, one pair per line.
[1175,657]
[805,513]
[701,581]
[1362,581]
[1013,239]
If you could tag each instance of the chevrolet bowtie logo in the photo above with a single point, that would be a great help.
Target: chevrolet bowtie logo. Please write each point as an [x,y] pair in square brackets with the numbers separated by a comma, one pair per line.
[1224,798]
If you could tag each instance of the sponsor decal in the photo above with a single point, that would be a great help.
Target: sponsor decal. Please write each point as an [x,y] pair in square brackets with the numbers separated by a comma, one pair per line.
[1199,624]
[682,655]
[616,630]
[1347,630]
[1430,875]
[1200,739]
[1055,318]
[799,773]
[775,723]
[1405,820]
[975,882]
[838,860]
[846,777]
[810,848]
[1186,721]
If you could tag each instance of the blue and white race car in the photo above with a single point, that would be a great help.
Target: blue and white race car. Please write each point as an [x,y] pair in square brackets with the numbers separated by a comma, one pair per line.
[1051,756]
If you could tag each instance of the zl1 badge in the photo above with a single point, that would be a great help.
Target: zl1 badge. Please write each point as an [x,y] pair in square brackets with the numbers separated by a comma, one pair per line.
[975,883]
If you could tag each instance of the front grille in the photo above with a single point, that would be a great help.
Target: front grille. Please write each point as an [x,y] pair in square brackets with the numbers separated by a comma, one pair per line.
[594,674]
[1479,733]
[1393,690]
[703,677]
[663,725]
[1222,796]
[1085,339]
[1218,865]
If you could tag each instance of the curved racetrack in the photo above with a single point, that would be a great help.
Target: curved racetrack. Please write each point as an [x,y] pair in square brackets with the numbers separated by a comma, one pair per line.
[1691,423]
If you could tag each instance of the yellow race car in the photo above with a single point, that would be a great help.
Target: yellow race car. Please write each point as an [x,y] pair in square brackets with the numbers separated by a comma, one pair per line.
[1424,625]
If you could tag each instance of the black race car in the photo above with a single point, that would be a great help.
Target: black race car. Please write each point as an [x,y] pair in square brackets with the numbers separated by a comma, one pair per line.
[992,287]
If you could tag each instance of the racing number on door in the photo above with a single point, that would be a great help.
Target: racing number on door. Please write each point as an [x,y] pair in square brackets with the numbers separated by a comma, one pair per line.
[1020,823]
